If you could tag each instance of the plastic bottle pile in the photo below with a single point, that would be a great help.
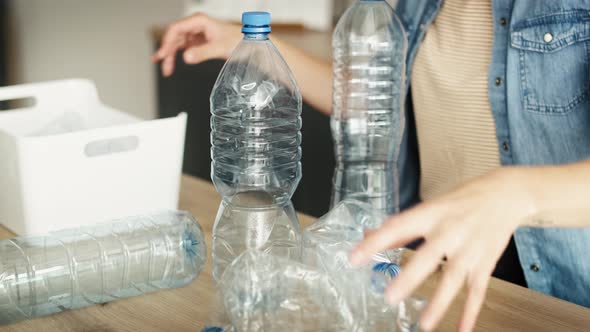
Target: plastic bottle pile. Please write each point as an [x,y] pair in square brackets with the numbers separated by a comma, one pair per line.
[264,284]
[321,292]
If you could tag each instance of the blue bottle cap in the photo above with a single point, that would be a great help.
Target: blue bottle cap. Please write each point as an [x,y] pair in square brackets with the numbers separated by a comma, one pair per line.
[389,269]
[256,22]
[213,329]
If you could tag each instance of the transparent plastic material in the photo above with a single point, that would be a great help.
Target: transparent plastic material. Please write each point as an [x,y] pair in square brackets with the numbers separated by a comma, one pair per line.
[326,245]
[262,292]
[369,49]
[249,224]
[76,268]
[255,123]
[328,241]
[255,138]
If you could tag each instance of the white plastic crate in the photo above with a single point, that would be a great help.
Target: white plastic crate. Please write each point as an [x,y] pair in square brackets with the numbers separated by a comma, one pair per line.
[69,160]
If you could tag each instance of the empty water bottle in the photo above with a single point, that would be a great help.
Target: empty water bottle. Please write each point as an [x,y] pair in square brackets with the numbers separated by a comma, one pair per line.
[76,268]
[369,49]
[256,108]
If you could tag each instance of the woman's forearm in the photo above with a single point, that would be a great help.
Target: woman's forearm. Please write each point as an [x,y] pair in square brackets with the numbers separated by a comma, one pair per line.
[560,195]
[314,76]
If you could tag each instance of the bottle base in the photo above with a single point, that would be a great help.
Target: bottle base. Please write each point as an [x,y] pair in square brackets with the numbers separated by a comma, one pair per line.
[257,225]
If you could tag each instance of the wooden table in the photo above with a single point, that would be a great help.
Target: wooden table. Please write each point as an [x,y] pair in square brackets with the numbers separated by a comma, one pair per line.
[507,307]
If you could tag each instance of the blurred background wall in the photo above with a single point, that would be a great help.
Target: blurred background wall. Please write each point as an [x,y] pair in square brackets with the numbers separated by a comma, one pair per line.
[108,41]
[3,42]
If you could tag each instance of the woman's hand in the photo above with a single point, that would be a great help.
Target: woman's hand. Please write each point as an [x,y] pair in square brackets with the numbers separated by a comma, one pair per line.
[200,37]
[470,226]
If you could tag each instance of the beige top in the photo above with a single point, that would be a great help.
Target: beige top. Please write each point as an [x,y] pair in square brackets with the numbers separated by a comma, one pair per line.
[456,131]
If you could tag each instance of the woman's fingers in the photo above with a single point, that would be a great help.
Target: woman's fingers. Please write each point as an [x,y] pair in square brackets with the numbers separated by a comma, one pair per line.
[452,281]
[175,38]
[197,54]
[167,66]
[424,262]
[397,230]
[477,292]
[176,32]
[464,225]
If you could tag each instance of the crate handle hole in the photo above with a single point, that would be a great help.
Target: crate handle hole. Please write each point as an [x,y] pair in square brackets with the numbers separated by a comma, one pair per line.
[111,146]
[16,103]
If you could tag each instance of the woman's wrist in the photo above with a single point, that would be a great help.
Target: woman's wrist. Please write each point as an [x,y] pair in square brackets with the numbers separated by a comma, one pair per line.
[523,180]
[558,195]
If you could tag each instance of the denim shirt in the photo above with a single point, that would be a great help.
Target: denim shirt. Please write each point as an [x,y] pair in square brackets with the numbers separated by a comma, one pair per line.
[539,93]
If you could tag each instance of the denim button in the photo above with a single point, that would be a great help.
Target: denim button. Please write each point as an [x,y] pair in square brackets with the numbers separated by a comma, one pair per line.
[505,146]
[548,37]
[535,268]
[503,21]
[498,81]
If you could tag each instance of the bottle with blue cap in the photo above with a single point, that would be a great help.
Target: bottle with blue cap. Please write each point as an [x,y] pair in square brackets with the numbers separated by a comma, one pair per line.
[255,149]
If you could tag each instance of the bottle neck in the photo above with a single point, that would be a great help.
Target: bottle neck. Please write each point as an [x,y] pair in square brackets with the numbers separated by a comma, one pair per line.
[256,36]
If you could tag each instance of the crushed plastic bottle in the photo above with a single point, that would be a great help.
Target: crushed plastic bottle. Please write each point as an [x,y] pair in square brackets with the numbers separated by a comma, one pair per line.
[323,292]
[410,310]
[369,47]
[256,108]
[328,241]
[262,292]
[75,268]
[326,245]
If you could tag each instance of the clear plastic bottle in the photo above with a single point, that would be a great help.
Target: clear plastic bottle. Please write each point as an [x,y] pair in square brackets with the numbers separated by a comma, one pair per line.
[369,49]
[71,269]
[256,122]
